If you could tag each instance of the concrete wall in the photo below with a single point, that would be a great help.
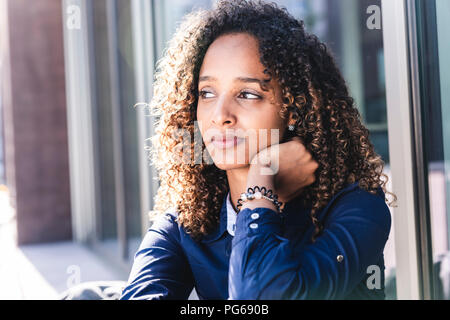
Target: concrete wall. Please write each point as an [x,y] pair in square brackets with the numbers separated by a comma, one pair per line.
[35,126]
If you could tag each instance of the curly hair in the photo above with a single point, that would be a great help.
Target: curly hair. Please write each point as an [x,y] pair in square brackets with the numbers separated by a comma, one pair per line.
[313,91]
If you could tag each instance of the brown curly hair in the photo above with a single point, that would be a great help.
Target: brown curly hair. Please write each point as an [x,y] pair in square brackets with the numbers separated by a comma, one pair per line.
[313,90]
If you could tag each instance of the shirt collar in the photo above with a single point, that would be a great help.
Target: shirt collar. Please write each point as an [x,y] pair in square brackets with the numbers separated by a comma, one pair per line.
[228,215]
[231,216]
[228,219]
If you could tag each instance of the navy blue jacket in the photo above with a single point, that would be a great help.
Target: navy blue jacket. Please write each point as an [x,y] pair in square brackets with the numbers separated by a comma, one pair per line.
[270,256]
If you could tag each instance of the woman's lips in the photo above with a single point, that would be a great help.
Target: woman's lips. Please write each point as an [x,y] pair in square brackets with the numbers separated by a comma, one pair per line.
[223,143]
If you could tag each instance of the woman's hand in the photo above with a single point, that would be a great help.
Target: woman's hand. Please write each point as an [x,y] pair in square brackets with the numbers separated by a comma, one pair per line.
[292,165]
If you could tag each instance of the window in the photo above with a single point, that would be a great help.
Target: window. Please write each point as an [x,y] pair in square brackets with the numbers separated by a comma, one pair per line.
[434,74]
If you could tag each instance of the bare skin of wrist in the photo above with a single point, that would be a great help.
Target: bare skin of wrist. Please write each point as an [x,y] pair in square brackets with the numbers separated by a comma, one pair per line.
[256,178]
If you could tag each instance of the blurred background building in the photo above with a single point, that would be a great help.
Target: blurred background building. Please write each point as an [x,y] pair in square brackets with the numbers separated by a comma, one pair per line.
[73,147]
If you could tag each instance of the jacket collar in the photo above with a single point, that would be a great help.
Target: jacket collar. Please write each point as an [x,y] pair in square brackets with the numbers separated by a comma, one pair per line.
[222,228]
[295,203]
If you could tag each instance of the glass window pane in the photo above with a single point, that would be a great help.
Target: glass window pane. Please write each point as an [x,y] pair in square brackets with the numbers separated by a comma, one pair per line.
[113,61]
[168,14]
[436,81]
[106,221]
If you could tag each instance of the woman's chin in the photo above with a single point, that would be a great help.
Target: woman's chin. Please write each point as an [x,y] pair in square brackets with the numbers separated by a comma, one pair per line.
[230,166]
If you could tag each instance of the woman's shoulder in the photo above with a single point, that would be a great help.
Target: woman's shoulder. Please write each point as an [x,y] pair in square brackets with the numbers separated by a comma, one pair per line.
[359,197]
[357,203]
[163,232]
[165,223]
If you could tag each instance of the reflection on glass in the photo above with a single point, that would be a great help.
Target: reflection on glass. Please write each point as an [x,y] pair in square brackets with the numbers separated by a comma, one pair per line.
[438,69]
[112,57]
[167,15]
[106,218]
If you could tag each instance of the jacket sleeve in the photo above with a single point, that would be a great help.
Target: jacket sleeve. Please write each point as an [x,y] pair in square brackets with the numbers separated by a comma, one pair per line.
[265,265]
[160,269]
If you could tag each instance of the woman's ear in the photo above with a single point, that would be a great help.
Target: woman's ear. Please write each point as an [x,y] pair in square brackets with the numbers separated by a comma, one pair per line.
[292,121]
[290,128]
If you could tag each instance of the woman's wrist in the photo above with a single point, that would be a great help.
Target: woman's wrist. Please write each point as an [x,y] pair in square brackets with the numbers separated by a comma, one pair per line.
[256,177]
[263,161]
[257,193]
[261,203]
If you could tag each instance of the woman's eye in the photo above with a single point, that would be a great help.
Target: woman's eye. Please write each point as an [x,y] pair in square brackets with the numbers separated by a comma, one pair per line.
[244,94]
[249,95]
[203,93]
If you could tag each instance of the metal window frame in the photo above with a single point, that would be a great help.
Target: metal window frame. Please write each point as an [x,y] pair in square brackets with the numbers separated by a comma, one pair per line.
[117,129]
[416,55]
[81,135]
[144,54]
[401,148]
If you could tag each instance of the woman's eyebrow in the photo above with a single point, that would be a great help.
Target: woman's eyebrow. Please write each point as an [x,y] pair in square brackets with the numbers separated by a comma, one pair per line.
[239,79]
[206,78]
[247,80]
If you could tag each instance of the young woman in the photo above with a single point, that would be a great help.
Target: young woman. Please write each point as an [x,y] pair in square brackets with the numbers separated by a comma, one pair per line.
[283,197]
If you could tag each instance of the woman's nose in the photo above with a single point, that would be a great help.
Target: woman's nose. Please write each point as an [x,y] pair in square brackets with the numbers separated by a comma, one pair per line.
[223,112]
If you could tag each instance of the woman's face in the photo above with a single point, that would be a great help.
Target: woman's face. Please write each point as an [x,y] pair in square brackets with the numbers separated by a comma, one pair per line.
[236,117]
